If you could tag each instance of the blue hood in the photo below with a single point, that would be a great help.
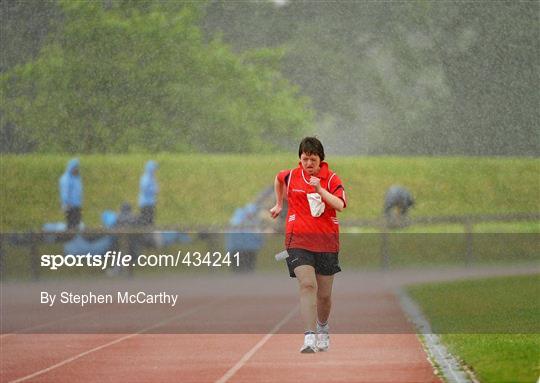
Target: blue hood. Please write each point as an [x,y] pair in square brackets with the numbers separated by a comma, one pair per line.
[72,164]
[148,187]
[150,166]
[71,189]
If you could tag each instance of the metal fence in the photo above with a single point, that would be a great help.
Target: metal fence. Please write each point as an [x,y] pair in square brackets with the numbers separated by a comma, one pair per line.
[33,240]
[468,222]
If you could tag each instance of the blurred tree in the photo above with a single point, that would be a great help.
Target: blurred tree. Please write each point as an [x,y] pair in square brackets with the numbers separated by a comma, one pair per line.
[24,27]
[416,77]
[129,75]
[489,53]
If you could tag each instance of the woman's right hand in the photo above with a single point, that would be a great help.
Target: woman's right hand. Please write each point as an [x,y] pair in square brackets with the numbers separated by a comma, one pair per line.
[274,212]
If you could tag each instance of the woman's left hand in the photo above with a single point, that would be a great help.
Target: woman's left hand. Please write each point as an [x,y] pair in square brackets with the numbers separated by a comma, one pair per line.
[316,183]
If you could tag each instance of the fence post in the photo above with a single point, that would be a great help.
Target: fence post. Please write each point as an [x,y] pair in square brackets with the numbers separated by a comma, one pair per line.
[469,257]
[34,256]
[2,263]
[385,253]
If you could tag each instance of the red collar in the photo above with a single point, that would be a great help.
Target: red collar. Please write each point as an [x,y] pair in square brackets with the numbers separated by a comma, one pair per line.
[323,171]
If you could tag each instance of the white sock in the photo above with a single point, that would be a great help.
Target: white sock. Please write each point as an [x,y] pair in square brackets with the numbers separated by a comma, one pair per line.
[324,328]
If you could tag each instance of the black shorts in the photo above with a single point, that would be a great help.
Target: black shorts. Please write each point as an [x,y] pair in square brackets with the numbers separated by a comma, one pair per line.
[324,263]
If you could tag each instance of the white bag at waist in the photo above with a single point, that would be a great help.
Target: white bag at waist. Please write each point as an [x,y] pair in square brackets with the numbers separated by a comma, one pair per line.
[316,205]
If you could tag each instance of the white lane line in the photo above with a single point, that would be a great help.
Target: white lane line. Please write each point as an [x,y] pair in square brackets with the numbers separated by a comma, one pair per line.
[450,367]
[32,328]
[255,348]
[69,360]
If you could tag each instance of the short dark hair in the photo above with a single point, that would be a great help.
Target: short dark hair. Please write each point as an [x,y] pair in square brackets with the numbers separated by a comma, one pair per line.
[311,145]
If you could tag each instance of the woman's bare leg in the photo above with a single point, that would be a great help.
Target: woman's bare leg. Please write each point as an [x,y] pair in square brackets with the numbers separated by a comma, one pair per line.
[307,282]
[324,297]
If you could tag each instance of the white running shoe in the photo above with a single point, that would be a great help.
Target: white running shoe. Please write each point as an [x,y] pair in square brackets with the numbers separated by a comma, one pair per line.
[323,338]
[323,341]
[310,344]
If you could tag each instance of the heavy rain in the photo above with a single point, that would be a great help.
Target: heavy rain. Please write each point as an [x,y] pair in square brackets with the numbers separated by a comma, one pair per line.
[273,179]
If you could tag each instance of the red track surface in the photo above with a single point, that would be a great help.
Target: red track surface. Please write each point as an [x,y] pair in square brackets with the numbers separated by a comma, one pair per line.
[206,358]
[396,356]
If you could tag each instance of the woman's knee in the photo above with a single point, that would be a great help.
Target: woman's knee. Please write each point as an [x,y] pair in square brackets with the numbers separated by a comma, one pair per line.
[308,285]
[324,298]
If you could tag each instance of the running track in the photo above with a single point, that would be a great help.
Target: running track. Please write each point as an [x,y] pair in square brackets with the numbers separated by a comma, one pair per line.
[363,302]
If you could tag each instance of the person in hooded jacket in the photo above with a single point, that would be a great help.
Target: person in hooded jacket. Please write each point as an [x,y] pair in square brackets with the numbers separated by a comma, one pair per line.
[71,193]
[148,190]
[245,236]
[397,202]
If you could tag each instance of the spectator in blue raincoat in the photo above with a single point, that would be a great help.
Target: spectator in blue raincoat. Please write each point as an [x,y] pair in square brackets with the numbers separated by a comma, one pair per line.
[148,190]
[71,194]
[245,237]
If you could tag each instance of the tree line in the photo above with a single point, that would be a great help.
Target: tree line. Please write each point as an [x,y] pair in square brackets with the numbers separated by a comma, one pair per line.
[416,77]
[131,76]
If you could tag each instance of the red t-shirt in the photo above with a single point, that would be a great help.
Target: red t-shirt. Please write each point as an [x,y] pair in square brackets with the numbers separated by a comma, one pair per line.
[318,234]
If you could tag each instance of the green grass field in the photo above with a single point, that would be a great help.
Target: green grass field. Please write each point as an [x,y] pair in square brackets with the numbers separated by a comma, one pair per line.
[205,190]
[491,324]
[202,189]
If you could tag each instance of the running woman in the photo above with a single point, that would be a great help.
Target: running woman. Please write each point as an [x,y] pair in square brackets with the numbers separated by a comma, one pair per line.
[314,195]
